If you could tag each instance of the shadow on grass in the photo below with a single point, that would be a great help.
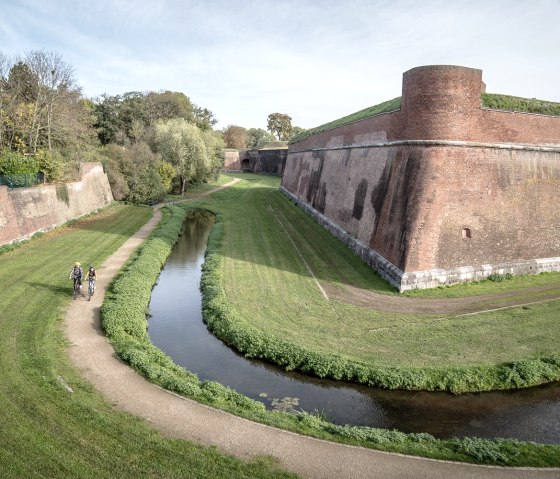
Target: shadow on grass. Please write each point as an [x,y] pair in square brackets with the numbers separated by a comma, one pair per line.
[53,288]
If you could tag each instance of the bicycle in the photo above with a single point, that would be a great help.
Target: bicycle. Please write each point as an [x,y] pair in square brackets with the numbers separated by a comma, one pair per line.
[76,287]
[91,288]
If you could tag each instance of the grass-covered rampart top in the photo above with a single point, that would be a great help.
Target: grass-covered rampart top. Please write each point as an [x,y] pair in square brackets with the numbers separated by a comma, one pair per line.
[493,101]
[384,107]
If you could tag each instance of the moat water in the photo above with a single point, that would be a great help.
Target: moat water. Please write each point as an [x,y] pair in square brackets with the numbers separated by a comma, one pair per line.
[176,327]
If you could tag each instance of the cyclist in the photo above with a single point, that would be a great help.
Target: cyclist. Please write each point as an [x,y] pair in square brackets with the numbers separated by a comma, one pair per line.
[76,274]
[91,276]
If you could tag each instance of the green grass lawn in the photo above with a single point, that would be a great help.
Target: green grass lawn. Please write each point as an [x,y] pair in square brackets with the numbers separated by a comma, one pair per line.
[268,283]
[47,431]
[192,190]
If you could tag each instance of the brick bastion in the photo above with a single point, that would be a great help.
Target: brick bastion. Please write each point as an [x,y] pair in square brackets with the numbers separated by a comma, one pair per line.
[440,191]
[25,211]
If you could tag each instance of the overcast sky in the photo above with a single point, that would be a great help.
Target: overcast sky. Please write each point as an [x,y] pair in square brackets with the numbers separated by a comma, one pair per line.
[314,60]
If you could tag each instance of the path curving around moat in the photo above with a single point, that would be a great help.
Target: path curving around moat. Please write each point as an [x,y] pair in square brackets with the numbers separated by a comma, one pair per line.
[182,418]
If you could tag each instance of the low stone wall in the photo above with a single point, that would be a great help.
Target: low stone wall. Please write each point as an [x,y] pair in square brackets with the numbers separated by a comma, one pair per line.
[26,211]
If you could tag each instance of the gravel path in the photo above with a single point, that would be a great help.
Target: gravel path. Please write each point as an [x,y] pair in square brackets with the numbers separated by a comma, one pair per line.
[178,417]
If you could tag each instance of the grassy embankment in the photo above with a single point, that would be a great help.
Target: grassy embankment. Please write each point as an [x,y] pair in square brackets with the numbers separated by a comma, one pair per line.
[288,321]
[250,254]
[48,431]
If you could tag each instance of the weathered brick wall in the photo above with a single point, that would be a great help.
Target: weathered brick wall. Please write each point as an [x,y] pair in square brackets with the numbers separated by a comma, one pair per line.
[384,127]
[505,198]
[271,161]
[443,103]
[439,103]
[232,161]
[265,160]
[443,189]
[25,211]
[518,127]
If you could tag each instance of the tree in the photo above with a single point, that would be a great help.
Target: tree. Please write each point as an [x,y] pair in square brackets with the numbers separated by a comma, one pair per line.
[296,130]
[41,107]
[235,137]
[215,147]
[165,105]
[55,88]
[204,118]
[258,136]
[280,124]
[5,67]
[181,144]
[107,118]
[22,83]
[167,172]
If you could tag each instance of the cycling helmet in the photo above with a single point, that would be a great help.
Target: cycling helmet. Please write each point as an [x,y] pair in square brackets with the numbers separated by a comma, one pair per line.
[77,264]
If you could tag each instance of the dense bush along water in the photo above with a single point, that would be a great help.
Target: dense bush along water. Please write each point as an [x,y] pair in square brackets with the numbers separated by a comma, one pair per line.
[175,326]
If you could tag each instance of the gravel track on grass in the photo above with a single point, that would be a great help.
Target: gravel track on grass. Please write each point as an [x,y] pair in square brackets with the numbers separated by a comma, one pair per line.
[445,306]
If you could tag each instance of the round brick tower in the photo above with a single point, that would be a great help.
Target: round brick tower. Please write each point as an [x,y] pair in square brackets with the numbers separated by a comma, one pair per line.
[440,102]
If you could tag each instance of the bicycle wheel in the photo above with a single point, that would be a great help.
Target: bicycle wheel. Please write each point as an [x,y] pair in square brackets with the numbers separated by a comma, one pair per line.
[90,290]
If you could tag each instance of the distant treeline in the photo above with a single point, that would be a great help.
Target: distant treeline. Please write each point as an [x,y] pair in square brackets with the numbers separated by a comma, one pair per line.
[149,142]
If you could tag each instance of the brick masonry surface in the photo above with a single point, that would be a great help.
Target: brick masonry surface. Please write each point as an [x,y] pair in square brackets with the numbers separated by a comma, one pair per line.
[443,191]
[270,161]
[26,211]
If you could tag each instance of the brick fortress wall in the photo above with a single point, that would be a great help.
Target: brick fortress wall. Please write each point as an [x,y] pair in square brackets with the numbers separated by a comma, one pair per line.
[440,191]
[25,211]
[232,161]
[265,160]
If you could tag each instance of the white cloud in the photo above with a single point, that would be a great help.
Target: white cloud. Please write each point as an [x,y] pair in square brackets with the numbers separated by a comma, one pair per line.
[315,60]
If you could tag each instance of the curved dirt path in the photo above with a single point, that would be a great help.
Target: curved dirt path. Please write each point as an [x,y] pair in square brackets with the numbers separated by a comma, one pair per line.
[444,306]
[182,418]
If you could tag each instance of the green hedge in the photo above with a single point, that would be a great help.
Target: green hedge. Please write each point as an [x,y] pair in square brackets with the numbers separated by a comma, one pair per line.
[124,320]
[123,317]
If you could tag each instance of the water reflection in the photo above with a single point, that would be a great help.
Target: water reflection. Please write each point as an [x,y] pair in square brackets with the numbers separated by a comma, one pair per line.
[176,327]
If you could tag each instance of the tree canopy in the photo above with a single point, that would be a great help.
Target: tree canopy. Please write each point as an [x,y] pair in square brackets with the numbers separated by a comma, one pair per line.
[47,125]
[192,152]
[280,124]
[258,136]
[235,137]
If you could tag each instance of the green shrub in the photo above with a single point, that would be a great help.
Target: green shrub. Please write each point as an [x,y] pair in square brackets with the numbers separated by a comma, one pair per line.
[123,317]
[484,450]
[14,163]
[497,278]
